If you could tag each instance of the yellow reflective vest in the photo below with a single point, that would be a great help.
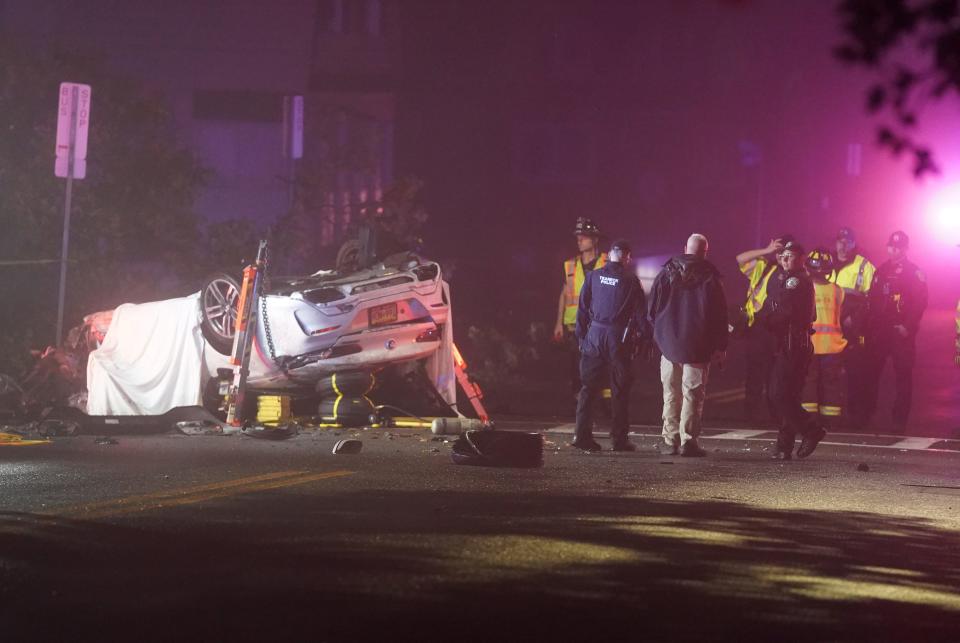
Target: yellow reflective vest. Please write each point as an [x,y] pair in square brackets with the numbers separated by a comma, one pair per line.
[758,272]
[575,275]
[828,335]
[855,277]
[958,326]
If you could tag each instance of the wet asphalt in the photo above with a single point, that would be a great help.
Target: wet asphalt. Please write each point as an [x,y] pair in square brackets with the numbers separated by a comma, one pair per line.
[173,537]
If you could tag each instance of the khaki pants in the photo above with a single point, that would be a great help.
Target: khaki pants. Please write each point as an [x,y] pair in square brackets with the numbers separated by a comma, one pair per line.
[684,390]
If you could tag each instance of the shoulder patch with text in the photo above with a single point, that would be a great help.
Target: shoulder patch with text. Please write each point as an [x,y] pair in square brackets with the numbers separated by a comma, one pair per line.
[609,281]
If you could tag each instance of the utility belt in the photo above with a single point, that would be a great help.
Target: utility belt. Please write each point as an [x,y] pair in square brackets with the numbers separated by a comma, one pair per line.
[796,341]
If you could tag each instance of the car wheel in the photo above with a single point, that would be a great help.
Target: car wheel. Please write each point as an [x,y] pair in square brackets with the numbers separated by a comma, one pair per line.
[219,301]
[348,257]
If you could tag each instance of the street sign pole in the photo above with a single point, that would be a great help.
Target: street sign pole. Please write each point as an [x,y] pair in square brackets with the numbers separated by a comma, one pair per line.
[73,126]
[74,100]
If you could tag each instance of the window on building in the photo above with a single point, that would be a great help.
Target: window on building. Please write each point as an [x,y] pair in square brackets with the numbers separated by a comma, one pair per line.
[562,152]
[249,106]
[351,17]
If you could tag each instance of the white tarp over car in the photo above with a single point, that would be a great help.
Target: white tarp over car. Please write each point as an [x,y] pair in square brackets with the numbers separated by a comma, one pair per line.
[151,359]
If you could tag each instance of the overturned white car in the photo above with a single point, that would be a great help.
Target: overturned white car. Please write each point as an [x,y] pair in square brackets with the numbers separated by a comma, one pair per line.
[161,355]
[313,326]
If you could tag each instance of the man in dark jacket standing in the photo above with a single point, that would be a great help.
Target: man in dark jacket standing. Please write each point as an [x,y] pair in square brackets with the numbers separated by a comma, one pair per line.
[610,316]
[688,309]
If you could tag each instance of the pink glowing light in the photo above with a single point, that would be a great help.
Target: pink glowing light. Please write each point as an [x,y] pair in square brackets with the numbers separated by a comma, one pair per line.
[943,214]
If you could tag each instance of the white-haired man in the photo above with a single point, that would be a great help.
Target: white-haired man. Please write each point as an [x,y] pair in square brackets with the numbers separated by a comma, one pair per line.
[688,310]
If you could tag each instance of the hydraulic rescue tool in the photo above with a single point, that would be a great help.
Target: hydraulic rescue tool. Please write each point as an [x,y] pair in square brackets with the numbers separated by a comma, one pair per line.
[246,334]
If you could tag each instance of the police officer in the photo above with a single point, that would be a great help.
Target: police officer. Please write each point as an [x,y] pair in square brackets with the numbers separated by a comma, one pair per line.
[897,300]
[788,313]
[854,274]
[759,266]
[610,318]
[575,271]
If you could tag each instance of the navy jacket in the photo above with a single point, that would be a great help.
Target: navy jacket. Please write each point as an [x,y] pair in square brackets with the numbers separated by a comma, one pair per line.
[688,309]
[610,298]
[898,296]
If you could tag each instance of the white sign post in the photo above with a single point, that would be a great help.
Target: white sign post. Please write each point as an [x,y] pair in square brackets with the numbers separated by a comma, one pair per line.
[73,125]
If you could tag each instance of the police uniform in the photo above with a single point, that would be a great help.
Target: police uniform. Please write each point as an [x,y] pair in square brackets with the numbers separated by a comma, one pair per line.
[789,313]
[855,276]
[612,300]
[898,297]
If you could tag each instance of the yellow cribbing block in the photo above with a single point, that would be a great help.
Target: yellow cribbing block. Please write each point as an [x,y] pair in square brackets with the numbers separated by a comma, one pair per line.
[273,408]
[14,440]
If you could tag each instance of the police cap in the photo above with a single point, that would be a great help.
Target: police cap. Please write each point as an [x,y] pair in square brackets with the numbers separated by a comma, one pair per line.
[846,234]
[899,239]
[622,245]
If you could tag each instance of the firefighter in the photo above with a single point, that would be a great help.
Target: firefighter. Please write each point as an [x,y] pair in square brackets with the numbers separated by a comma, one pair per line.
[824,387]
[611,317]
[575,271]
[854,274]
[759,266]
[956,357]
[788,313]
[897,300]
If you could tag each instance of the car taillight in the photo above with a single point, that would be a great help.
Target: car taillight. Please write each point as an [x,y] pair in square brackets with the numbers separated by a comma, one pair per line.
[431,335]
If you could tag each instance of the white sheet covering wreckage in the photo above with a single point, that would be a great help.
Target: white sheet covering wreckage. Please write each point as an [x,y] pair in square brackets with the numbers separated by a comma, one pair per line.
[154,358]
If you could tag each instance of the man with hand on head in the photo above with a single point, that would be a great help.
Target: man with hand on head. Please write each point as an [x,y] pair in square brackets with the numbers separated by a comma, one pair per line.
[688,310]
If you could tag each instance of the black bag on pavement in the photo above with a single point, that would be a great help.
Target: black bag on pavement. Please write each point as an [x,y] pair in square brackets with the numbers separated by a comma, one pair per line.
[498,449]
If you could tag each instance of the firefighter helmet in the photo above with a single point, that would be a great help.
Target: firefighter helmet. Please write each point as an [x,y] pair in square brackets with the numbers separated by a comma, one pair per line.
[586,226]
[819,262]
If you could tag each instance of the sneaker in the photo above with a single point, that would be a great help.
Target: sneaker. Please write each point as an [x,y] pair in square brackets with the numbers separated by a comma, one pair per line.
[586,445]
[667,449]
[810,442]
[626,445]
[692,450]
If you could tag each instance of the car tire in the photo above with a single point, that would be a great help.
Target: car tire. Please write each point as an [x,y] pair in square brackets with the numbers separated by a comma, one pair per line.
[350,411]
[353,383]
[219,299]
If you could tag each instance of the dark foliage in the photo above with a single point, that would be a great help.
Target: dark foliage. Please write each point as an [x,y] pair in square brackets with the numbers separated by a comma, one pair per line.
[914,48]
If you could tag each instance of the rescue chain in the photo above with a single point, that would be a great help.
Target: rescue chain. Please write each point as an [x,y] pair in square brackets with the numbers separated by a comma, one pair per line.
[268,333]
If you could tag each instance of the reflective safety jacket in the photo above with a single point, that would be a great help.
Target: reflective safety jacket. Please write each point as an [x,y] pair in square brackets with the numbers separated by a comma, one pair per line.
[828,336]
[759,273]
[575,275]
[958,327]
[856,277]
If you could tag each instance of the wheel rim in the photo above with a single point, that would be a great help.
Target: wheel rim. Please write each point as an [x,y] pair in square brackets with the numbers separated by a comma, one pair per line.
[220,299]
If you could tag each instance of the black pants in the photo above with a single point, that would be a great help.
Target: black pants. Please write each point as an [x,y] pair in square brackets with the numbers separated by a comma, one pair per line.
[760,347]
[573,352]
[902,352]
[855,363]
[785,390]
[601,353]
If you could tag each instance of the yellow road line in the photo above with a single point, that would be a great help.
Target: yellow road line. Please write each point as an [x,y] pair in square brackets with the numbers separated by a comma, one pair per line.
[193,495]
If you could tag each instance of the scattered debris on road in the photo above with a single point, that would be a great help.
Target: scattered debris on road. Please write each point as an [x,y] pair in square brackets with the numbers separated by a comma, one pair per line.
[347,447]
